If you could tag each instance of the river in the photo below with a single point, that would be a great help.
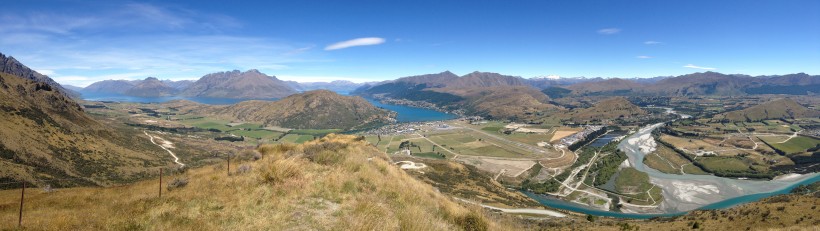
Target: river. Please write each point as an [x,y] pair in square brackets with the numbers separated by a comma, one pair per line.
[684,193]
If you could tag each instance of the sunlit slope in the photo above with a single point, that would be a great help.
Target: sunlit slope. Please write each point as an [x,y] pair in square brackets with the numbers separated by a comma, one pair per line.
[335,183]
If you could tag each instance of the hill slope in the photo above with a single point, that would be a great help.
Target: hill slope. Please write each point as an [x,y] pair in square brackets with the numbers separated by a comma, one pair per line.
[46,136]
[251,84]
[775,109]
[335,183]
[319,109]
[608,109]
[503,102]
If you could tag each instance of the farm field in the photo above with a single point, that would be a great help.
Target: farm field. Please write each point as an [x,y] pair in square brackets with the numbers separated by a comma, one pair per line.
[723,164]
[636,184]
[257,133]
[796,145]
[666,160]
[206,123]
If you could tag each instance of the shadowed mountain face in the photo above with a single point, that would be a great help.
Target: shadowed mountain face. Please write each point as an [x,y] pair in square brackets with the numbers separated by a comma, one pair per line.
[608,86]
[46,135]
[238,85]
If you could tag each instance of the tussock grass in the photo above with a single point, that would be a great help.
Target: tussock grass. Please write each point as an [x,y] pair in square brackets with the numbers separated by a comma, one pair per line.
[334,183]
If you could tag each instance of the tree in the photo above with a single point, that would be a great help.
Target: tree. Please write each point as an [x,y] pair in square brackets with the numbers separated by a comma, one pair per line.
[591,218]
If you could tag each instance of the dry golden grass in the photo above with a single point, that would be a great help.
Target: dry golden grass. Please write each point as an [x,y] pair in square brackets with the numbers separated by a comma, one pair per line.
[285,191]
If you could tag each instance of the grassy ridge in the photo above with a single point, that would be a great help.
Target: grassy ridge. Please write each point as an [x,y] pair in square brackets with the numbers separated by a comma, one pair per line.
[335,183]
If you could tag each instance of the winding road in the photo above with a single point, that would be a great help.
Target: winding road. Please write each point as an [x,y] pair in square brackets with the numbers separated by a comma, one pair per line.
[176,159]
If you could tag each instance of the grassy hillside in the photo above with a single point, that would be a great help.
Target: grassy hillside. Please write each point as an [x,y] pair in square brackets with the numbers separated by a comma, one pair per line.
[514,103]
[319,109]
[776,109]
[47,136]
[608,109]
[336,183]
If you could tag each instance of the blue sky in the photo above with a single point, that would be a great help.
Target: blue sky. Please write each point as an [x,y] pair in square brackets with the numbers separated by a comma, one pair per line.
[79,42]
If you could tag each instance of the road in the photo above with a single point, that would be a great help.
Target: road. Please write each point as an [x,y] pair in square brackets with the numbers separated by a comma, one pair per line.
[176,159]
[518,211]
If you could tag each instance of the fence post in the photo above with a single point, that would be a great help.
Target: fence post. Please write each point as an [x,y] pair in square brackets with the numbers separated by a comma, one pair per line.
[160,183]
[229,164]
[22,197]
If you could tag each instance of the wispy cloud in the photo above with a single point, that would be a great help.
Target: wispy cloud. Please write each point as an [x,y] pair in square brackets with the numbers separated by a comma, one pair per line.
[134,41]
[699,67]
[650,42]
[354,43]
[643,57]
[609,31]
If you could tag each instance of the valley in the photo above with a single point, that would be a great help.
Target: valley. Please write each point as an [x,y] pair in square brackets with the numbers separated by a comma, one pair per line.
[410,115]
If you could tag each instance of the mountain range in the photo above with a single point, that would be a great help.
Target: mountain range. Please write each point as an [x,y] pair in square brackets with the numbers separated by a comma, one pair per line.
[238,85]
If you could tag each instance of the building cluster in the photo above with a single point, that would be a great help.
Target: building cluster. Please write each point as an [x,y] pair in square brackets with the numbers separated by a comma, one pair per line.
[578,136]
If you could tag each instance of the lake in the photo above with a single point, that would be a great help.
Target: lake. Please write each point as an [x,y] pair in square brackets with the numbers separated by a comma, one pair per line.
[413,114]
[404,113]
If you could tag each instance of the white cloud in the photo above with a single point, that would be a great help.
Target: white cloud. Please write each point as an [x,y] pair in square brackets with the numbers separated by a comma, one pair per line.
[650,42]
[643,57]
[355,42]
[699,67]
[609,31]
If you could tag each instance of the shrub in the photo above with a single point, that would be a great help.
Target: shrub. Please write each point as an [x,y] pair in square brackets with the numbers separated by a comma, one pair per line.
[277,148]
[472,221]
[243,169]
[177,183]
[327,153]
[249,154]
[281,170]
[48,189]
[181,169]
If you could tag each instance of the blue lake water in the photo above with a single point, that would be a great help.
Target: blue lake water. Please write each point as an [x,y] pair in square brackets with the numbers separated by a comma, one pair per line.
[404,113]
[413,114]
[605,139]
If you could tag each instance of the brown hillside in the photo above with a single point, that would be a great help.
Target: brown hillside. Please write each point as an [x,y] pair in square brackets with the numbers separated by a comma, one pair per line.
[319,109]
[46,135]
[608,109]
[775,109]
[335,183]
[510,102]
